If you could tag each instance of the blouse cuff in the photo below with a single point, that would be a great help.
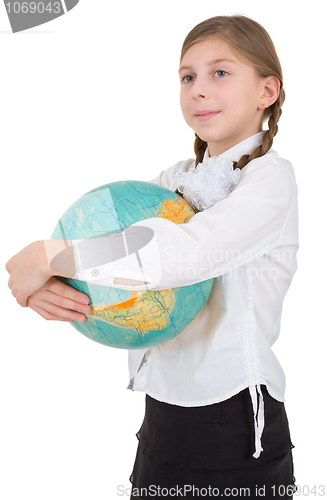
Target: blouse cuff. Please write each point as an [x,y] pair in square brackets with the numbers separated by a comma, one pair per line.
[99,275]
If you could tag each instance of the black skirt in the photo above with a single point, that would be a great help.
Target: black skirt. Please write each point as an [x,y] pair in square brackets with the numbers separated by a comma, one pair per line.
[206,451]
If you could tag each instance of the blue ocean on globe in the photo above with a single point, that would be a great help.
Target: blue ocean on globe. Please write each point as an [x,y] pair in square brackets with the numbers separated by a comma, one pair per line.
[120,318]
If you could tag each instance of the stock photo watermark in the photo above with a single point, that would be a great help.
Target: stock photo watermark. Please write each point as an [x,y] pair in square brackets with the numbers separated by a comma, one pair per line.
[24,14]
[259,491]
[229,264]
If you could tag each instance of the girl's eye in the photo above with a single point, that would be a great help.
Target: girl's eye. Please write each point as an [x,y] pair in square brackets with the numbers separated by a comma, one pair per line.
[187,79]
[220,72]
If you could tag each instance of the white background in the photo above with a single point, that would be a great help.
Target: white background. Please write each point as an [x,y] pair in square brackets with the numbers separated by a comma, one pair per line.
[90,98]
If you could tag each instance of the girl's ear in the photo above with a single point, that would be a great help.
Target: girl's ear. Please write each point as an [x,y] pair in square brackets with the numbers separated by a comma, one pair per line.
[270,93]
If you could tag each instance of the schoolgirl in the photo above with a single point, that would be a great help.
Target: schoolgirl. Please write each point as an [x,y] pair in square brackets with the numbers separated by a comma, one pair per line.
[215,420]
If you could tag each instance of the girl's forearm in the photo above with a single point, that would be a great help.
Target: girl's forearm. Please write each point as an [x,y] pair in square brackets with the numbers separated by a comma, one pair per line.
[60,258]
[61,261]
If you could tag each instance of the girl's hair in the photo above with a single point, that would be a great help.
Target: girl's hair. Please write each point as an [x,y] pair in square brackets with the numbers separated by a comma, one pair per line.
[252,41]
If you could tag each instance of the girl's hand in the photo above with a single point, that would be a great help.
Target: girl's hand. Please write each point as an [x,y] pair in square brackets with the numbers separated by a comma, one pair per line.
[30,268]
[57,301]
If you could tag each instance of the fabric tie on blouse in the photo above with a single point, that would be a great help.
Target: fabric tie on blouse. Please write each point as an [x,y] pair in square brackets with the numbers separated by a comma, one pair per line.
[259,418]
[210,182]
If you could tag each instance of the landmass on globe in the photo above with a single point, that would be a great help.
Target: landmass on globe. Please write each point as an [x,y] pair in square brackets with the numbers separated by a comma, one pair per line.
[143,311]
[176,210]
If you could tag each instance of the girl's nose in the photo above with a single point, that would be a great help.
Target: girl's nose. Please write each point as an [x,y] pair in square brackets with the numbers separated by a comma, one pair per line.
[199,89]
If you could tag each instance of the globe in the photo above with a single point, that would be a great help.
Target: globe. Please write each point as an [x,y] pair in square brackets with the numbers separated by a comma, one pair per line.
[123,318]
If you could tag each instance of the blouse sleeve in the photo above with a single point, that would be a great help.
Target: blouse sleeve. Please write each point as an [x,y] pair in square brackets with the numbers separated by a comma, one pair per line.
[242,227]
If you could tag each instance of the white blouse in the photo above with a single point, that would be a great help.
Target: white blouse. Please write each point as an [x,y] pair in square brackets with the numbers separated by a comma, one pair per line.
[248,242]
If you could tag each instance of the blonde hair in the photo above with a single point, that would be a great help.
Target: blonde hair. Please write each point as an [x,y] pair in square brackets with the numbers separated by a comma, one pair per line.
[252,41]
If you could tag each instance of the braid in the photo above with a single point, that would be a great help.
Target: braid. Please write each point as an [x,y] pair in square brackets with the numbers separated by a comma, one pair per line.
[274,113]
[267,138]
[180,194]
[200,147]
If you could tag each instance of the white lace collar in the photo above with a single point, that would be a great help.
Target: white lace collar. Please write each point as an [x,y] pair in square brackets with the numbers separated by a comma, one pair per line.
[215,178]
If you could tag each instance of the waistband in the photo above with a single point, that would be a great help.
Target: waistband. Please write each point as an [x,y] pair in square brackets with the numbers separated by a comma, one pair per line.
[248,405]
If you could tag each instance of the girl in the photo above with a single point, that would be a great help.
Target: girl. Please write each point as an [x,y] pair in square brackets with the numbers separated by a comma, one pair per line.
[215,420]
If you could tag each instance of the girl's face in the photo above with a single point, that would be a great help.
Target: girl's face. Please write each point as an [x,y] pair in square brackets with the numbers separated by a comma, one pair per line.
[222,97]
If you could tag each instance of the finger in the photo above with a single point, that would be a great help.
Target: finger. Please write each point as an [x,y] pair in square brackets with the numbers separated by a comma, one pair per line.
[47,315]
[59,300]
[21,299]
[60,288]
[57,311]
[27,288]
[22,296]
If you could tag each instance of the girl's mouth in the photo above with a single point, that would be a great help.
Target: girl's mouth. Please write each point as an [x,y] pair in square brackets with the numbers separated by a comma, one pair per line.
[206,115]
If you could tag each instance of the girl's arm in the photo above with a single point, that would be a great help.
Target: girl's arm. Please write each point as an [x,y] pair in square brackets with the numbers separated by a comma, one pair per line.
[244,226]
[33,284]
[33,267]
